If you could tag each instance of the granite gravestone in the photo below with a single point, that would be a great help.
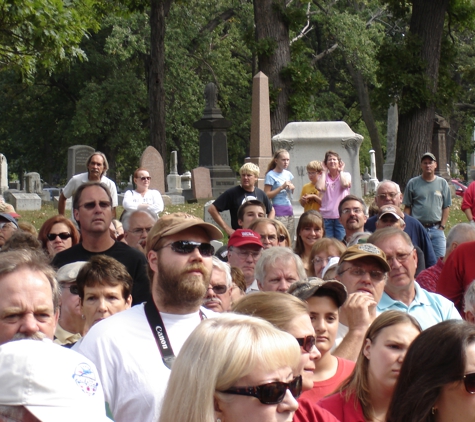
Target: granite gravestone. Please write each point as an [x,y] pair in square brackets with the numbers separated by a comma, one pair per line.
[153,162]
[23,201]
[77,158]
[3,174]
[201,182]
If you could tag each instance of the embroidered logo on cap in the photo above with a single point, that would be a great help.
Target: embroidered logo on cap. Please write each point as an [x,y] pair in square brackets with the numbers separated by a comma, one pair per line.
[249,234]
[369,248]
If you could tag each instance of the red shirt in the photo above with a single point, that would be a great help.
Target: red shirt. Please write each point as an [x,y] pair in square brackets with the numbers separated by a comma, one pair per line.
[345,411]
[312,412]
[427,279]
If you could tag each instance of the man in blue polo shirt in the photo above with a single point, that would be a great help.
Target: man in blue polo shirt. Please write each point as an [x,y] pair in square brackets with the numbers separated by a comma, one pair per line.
[402,292]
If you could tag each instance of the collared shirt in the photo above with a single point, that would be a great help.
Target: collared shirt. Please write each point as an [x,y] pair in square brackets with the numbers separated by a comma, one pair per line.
[427,308]
[254,287]
[61,336]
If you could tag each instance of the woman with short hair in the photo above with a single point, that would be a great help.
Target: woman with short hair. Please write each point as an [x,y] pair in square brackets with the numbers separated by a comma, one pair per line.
[142,197]
[58,234]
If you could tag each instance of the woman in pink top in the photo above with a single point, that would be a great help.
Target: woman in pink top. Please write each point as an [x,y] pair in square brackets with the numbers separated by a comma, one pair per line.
[366,395]
[335,184]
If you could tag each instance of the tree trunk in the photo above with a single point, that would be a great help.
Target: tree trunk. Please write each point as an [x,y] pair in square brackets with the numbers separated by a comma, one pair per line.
[156,91]
[271,27]
[367,113]
[416,126]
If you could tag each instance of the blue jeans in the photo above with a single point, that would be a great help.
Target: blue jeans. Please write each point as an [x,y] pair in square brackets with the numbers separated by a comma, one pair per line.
[333,228]
[437,238]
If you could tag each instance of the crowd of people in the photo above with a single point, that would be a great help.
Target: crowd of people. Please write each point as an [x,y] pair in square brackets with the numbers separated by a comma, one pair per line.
[344,316]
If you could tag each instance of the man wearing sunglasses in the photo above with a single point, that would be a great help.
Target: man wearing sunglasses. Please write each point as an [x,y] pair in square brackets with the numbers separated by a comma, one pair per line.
[70,326]
[8,226]
[218,294]
[402,292]
[92,207]
[134,349]
[362,269]
[97,167]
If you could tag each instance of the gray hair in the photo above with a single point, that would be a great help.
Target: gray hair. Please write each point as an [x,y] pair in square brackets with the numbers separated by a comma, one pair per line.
[106,163]
[398,189]
[461,233]
[225,267]
[270,256]
[469,298]
[387,232]
[15,260]
[128,216]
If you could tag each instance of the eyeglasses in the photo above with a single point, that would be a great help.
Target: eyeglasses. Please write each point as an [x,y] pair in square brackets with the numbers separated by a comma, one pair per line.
[73,288]
[62,236]
[318,260]
[91,205]
[144,178]
[469,382]
[140,231]
[219,289]
[360,272]
[7,226]
[185,247]
[270,238]
[400,257]
[307,343]
[281,238]
[353,210]
[271,393]
[390,195]
[244,254]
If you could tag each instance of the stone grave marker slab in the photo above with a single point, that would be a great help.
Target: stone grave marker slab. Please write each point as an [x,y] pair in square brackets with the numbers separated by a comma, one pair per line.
[201,181]
[23,201]
[207,216]
[153,162]
[77,157]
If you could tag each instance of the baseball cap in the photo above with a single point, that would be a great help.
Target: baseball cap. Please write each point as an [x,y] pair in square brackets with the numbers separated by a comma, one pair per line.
[54,383]
[8,209]
[306,289]
[69,272]
[430,155]
[242,237]
[174,223]
[390,209]
[10,218]
[365,250]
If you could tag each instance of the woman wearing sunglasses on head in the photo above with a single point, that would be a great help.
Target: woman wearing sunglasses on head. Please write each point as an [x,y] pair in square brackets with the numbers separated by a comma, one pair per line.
[437,380]
[142,196]
[232,369]
[366,395]
[289,314]
[57,234]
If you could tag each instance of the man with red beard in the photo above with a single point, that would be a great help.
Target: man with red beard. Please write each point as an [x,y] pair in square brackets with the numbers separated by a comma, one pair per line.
[134,350]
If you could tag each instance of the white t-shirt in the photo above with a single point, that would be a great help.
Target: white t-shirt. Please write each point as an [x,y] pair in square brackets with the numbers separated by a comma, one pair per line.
[129,362]
[132,199]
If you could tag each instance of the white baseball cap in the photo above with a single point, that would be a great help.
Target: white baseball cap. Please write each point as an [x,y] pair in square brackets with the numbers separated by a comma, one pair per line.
[54,383]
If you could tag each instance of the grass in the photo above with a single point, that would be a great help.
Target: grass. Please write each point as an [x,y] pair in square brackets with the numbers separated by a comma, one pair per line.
[37,218]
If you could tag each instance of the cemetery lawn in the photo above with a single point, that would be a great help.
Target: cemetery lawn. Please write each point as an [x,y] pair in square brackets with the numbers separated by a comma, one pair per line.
[37,218]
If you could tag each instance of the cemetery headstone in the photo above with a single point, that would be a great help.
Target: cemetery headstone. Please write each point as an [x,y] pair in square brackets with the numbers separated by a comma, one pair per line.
[77,157]
[153,162]
[3,173]
[201,182]
[23,201]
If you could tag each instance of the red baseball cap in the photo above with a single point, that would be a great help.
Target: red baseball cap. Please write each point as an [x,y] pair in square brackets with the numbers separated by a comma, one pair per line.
[242,237]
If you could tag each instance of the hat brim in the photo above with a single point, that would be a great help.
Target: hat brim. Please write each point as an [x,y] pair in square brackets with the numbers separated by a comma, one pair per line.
[391,213]
[53,414]
[212,231]
[380,259]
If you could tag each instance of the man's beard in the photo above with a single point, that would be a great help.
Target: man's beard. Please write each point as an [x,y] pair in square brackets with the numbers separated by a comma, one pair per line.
[179,287]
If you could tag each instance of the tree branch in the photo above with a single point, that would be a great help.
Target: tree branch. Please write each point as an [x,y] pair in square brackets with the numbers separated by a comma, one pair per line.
[324,53]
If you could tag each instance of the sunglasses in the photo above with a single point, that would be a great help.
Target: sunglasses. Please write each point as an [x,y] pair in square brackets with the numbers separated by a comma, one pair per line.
[62,236]
[469,382]
[307,343]
[219,289]
[73,288]
[144,178]
[91,205]
[185,247]
[272,393]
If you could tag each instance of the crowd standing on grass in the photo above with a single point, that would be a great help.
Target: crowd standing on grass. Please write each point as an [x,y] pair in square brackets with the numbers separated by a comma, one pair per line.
[334,318]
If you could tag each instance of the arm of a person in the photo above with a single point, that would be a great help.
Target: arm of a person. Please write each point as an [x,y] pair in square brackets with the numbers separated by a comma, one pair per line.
[303,197]
[468,213]
[407,210]
[358,308]
[157,205]
[273,193]
[345,179]
[321,180]
[445,217]
[272,213]
[128,203]
[61,204]
[450,284]
[213,211]
[467,202]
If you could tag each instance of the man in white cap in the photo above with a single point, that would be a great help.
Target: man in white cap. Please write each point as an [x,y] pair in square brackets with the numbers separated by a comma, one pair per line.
[70,326]
[41,381]
[134,349]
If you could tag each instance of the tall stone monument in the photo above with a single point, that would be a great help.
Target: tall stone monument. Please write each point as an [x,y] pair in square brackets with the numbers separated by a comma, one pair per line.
[214,143]
[393,120]
[439,145]
[3,174]
[77,157]
[261,146]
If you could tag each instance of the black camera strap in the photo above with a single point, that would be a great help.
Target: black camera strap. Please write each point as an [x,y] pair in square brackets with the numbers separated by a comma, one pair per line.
[160,332]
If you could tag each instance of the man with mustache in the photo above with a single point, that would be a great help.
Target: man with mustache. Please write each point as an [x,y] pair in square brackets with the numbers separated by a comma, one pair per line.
[353,216]
[134,349]
[29,297]
[218,294]
[137,225]
[92,206]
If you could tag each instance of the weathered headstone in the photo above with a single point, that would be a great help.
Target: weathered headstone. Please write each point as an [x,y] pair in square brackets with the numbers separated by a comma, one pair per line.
[214,143]
[153,162]
[226,216]
[201,182]
[307,141]
[174,179]
[33,183]
[439,145]
[3,173]
[393,119]
[77,157]
[373,181]
[23,201]
[261,146]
